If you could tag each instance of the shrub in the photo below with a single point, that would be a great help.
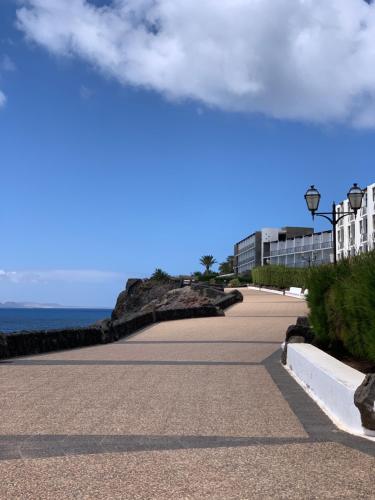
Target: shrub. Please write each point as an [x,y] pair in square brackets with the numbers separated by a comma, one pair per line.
[160,275]
[342,305]
[280,276]
[318,283]
[234,283]
[205,276]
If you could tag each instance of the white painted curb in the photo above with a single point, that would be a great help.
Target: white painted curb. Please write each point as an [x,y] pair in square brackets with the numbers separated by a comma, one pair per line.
[330,383]
[295,295]
[268,290]
[278,292]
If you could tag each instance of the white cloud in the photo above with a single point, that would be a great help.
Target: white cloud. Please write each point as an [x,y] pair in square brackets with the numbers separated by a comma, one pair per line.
[59,275]
[85,92]
[6,64]
[307,60]
[2,99]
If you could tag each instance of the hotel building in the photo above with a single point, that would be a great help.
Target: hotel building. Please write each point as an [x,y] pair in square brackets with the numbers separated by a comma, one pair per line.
[255,249]
[357,234]
[303,251]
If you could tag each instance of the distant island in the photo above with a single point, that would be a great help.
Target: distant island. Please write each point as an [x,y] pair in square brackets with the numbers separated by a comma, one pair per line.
[37,305]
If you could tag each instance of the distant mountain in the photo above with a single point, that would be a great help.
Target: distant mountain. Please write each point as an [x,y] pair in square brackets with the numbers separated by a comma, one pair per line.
[29,305]
[38,305]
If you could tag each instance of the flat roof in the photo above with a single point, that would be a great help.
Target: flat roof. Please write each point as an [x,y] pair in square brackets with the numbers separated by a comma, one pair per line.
[280,229]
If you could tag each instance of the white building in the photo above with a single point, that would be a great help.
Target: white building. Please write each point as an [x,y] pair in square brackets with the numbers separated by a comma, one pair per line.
[254,250]
[357,234]
[303,251]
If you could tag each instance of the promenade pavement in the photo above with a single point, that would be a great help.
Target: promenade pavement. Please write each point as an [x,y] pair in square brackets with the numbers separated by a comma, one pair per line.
[198,408]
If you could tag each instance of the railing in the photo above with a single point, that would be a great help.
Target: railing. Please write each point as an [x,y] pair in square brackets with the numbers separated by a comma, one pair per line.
[301,249]
[327,244]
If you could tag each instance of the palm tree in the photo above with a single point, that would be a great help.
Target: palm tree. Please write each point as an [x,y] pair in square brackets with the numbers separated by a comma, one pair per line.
[226,267]
[160,275]
[207,261]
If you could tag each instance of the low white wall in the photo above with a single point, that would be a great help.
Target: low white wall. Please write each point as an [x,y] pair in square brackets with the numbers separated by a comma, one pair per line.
[329,382]
[296,295]
[278,292]
[258,289]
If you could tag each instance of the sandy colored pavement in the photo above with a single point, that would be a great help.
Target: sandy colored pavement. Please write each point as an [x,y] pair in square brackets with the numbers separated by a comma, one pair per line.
[195,408]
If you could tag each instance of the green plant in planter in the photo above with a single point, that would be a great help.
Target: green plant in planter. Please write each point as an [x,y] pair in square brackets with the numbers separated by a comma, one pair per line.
[342,305]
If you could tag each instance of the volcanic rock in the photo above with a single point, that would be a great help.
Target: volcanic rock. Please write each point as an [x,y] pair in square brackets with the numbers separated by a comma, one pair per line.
[364,399]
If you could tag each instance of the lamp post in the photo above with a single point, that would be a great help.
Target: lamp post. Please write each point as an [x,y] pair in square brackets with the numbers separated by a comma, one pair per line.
[312,198]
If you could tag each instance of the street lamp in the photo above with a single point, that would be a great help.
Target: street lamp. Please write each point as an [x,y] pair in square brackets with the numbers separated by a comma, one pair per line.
[355,196]
[312,197]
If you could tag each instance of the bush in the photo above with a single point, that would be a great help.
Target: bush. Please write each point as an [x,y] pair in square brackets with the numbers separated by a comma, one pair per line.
[206,277]
[243,279]
[342,305]
[160,275]
[235,282]
[280,276]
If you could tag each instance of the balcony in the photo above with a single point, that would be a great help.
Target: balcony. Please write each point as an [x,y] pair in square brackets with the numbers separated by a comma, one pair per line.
[363,237]
[327,244]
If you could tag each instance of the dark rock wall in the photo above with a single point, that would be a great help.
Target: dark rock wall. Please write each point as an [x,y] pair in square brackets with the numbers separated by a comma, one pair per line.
[26,343]
[139,293]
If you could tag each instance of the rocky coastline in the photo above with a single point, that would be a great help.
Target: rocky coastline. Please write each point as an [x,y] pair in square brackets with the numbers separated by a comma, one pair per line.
[142,303]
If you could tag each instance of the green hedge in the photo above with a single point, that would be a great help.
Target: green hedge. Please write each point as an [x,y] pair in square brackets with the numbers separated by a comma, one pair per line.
[342,304]
[243,279]
[280,276]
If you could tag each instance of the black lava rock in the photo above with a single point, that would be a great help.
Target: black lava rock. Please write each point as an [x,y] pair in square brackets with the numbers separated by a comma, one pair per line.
[364,399]
[300,331]
[293,339]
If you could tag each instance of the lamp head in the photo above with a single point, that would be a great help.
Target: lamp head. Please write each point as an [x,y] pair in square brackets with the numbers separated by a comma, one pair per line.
[312,197]
[355,196]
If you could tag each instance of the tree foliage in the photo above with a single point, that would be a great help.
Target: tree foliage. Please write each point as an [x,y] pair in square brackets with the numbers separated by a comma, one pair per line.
[160,275]
[226,267]
[207,261]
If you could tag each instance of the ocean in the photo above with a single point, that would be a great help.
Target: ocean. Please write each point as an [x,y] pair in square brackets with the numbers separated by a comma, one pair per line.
[12,320]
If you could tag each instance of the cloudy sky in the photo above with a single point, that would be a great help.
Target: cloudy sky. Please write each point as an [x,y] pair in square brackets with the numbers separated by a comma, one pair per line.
[143,133]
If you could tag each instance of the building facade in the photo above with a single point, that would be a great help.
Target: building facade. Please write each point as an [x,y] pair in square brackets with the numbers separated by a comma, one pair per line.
[255,249]
[357,234]
[303,251]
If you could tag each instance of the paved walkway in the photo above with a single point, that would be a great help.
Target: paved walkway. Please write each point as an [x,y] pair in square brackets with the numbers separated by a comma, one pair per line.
[186,409]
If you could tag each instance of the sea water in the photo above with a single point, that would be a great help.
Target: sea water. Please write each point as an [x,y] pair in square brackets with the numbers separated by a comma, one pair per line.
[12,320]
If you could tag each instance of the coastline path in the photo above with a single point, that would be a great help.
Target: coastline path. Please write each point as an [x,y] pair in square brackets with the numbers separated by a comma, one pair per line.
[197,408]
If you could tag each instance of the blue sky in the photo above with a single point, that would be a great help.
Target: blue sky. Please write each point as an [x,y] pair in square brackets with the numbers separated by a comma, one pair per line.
[104,179]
